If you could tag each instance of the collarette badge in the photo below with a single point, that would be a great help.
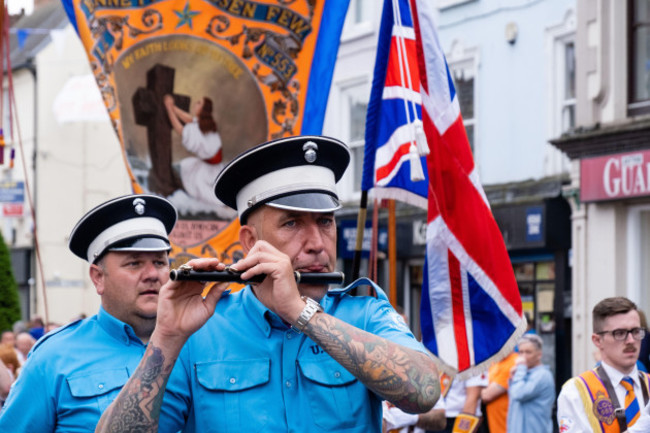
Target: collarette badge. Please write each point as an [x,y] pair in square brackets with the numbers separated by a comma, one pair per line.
[604,409]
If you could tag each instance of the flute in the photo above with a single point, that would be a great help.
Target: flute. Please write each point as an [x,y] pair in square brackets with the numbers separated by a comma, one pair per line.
[186,273]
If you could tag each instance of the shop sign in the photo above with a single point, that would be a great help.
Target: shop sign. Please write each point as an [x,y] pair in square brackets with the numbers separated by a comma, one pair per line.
[419,232]
[12,192]
[534,221]
[12,209]
[615,176]
[348,239]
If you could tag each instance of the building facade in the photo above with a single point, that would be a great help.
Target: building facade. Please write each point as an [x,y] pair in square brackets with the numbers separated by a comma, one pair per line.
[514,70]
[609,149]
[68,160]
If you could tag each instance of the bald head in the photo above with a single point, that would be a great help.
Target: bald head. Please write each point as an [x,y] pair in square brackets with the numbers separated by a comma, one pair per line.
[24,343]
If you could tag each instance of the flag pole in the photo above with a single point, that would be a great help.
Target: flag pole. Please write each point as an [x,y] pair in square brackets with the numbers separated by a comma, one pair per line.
[392,253]
[372,257]
[361,225]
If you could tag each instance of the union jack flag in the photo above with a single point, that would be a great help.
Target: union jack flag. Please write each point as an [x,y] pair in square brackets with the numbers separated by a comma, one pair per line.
[471,313]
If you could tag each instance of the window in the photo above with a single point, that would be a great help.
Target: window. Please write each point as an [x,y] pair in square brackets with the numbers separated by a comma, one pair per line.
[639,59]
[354,96]
[560,89]
[360,19]
[568,100]
[463,65]
[442,4]
[464,82]
[357,105]
[638,253]
[536,281]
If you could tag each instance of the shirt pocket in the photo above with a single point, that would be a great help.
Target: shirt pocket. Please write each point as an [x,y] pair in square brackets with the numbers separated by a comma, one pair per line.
[234,391]
[98,388]
[337,399]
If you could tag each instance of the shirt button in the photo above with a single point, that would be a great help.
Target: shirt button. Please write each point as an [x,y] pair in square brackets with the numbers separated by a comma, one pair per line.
[100,386]
[337,374]
[233,380]
[289,335]
[288,383]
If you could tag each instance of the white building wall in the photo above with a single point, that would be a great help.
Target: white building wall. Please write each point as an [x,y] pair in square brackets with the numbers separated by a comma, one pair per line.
[17,231]
[79,165]
[512,83]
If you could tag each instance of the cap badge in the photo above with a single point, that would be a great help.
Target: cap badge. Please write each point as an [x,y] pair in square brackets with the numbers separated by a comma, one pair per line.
[310,149]
[138,205]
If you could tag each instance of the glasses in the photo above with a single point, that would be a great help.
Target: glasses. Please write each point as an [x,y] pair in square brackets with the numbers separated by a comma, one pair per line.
[621,334]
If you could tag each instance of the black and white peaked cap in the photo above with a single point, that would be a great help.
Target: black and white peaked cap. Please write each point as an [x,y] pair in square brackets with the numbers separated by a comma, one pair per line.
[295,173]
[139,222]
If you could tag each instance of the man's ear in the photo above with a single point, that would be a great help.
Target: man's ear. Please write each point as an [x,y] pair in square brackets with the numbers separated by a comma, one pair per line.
[97,277]
[596,339]
[247,237]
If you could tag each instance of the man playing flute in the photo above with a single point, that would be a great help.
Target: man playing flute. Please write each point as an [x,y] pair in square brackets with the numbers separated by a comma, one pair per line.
[276,356]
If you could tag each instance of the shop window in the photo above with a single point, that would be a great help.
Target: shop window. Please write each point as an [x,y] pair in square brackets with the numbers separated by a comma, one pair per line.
[536,281]
[638,265]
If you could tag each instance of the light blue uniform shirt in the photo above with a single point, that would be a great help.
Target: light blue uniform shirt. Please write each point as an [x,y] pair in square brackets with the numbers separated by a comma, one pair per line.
[531,394]
[71,375]
[246,371]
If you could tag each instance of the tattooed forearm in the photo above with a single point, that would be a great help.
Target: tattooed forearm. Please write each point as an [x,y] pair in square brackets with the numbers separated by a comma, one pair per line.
[403,376]
[137,407]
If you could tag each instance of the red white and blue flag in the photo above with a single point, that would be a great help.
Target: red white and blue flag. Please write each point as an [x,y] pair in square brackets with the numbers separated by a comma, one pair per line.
[471,313]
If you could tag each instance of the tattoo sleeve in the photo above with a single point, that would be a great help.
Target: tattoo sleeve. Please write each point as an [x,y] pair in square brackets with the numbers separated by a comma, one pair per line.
[405,377]
[137,407]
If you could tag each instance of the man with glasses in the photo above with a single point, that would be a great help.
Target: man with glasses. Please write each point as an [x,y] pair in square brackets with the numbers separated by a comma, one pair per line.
[611,397]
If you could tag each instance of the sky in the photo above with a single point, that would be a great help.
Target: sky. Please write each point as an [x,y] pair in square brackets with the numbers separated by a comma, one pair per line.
[14,6]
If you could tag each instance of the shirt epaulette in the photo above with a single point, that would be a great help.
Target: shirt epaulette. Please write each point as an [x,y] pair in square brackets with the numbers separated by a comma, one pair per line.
[54,332]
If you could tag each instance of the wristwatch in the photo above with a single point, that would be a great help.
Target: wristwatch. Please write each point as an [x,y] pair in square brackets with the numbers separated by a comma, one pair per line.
[311,307]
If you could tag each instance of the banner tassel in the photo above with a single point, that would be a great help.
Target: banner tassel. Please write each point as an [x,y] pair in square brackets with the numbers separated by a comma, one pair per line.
[417,173]
[421,138]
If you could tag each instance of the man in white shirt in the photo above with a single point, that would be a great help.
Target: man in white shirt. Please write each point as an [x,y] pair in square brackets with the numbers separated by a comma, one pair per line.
[610,398]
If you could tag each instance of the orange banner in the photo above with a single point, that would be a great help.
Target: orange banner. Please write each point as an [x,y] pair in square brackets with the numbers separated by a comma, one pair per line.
[189,84]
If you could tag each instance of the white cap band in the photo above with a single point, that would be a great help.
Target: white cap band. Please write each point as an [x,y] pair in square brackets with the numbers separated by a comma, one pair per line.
[274,184]
[133,227]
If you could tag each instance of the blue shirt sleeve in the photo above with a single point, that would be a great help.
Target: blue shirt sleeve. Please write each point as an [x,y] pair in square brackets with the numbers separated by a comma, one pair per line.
[30,406]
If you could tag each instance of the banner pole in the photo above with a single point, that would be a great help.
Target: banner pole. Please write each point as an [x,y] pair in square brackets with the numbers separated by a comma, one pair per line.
[392,253]
[361,225]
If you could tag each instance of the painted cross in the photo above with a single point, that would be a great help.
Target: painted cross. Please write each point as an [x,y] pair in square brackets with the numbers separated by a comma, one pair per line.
[149,111]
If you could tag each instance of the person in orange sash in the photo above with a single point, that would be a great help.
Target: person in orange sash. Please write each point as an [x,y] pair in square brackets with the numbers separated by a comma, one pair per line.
[612,397]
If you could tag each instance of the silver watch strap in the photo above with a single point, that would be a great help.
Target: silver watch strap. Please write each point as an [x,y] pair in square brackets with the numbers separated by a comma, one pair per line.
[311,307]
